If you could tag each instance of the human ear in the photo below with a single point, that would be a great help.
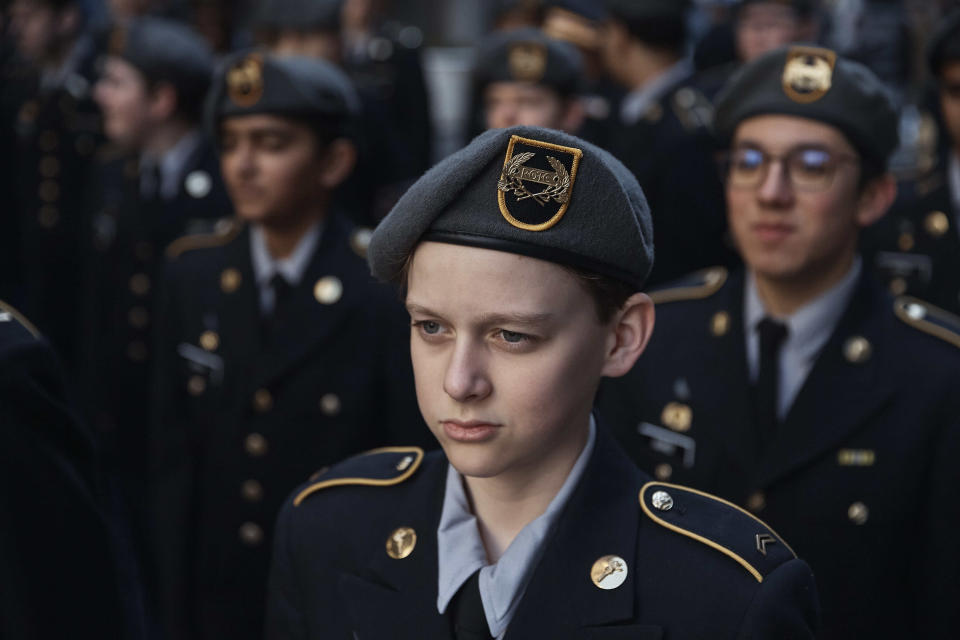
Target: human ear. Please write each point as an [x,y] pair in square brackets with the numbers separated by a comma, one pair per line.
[339,158]
[875,199]
[630,331]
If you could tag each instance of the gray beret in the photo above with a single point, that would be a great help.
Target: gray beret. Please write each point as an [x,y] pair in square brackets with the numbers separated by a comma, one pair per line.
[165,50]
[526,190]
[257,82]
[643,9]
[299,15]
[814,83]
[945,44]
[528,55]
[802,7]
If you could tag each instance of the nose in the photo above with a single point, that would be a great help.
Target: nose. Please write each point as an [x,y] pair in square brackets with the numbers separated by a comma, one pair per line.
[466,378]
[775,188]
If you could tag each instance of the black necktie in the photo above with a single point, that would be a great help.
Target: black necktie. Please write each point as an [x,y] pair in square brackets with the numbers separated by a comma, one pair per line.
[772,335]
[469,621]
[275,320]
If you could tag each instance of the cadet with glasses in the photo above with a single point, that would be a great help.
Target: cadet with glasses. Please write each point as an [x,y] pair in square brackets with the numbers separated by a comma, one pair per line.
[796,387]
[521,259]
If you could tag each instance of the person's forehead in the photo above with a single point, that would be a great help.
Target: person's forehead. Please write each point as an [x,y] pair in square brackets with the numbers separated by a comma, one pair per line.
[258,121]
[520,88]
[491,280]
[783,131]
[766,10]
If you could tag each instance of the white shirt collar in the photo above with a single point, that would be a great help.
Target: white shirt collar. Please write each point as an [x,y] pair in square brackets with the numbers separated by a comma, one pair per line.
[172,165]
[460,549]
[291,268]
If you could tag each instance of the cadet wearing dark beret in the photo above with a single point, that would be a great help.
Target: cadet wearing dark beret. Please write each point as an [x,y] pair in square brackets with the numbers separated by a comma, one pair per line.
[916,248]
[300,15]
[802,390]
[157,180]
[521,258]
[277,350]
[523,77]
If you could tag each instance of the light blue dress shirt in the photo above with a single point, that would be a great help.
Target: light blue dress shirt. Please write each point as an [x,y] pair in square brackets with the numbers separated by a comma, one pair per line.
[461,552]
[808,329]
[292,267]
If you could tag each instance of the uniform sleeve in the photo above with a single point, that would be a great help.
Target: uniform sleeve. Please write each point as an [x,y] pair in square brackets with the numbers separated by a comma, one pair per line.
[171,473]
[937,590]
[284,620]
[785,606]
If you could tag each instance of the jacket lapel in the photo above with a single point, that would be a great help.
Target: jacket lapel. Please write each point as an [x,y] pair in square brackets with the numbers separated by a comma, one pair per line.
[309,320]
[600,519]
[239,307]
[826,411]
[398,598]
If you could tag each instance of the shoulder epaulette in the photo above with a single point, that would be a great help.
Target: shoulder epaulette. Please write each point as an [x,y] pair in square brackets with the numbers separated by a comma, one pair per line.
[718,524]
[360,241]
[697,285]
[224,231]
[8,313]
[928,318]
[376,468]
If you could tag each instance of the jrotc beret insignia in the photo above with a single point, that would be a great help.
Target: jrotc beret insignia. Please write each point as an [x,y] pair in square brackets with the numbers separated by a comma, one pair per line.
[527,61]
[245,81]
[808,73]
[536,183]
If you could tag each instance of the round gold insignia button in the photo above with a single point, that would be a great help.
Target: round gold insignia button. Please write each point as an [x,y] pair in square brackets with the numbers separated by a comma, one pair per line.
[401,542]
[663,471]
[720,323]
[858,513]
[251,534]
[330,404]
[936,223]
[230,280]
[662,501]
[209,340]
[609,572]
[255,444]
[677,416]
[328,290]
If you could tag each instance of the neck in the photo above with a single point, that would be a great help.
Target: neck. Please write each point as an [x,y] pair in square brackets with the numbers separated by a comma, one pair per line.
[165,137]
[506,503]
[282,238]
[646,63]
[783,296]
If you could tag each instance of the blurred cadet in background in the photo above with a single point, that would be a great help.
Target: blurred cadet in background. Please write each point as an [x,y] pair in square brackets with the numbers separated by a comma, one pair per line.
[801,390]
[522,77]
[385,68]
[278,352]
[57,556]
[759,26]
[916,248]
[45,180]
[158,181]
[663,136]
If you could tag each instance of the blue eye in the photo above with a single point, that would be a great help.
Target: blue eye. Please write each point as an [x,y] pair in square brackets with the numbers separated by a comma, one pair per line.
[512,336]
[429,327]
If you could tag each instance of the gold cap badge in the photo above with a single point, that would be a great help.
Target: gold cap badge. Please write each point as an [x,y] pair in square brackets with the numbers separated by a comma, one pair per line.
[527,61]
[245,81]
[528,190]
[808,73]
[401,542]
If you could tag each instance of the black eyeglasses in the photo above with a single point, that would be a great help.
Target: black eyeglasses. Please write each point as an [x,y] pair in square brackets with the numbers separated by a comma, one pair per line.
[807,168]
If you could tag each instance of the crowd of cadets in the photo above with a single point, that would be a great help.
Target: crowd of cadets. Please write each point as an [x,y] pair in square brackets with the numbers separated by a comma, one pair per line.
[203,282]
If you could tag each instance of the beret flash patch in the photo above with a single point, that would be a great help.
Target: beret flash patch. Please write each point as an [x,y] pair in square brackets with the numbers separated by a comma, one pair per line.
[245,81]
[536,183]
[808,73]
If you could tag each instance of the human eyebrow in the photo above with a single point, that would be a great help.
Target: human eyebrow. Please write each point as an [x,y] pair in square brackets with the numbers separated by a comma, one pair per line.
[416,308]
[522,319]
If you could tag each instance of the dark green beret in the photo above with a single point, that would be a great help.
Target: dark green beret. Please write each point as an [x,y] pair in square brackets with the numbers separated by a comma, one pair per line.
[527,55]
[814,83]
[258,82]
[299,15]
[945,44]
[530,191]
[165,51]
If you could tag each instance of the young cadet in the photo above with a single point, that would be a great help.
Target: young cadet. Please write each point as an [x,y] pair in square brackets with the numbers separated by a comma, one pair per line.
[277,349]
[916,248]
[797,388]
[662,133]
[522,77]
[160,182]
[521,258]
